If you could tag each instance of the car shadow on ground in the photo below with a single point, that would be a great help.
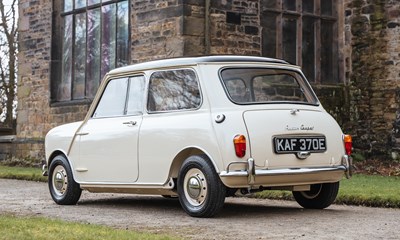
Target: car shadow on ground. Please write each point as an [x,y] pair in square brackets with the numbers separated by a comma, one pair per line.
[172,206]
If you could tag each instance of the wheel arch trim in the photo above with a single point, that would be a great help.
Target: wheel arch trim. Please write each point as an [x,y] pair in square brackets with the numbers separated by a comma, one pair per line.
[184,154]
[60,152]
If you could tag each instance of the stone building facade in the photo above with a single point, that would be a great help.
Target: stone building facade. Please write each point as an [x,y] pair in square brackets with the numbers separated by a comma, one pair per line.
[349,50]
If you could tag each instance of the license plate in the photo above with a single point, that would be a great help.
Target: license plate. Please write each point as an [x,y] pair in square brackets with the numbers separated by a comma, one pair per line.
[299,144]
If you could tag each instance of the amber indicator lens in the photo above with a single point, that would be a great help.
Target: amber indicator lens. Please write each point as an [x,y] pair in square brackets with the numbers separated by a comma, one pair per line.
[239,142]
[348,144]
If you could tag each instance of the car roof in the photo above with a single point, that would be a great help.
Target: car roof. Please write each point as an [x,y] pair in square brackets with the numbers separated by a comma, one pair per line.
[164,63]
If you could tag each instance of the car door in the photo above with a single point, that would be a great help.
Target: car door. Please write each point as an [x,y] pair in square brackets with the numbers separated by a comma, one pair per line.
[108,140]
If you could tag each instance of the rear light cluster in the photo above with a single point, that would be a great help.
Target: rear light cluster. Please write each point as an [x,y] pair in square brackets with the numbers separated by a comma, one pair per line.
[239,141]
[348,144]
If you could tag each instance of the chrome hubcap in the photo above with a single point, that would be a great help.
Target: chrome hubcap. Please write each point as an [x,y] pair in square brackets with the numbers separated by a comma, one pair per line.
[195,187]
[59,180]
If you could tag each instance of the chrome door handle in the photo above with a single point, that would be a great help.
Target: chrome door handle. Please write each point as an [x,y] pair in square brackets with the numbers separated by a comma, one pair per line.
[132,123]
[82,133]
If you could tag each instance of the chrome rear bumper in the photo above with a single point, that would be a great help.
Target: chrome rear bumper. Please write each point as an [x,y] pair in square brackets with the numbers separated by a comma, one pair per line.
[284,176]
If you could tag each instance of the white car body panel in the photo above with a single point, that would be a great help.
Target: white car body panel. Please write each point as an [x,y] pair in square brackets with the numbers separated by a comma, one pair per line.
[60,138]
[308,121]
[178,131]
[98,159]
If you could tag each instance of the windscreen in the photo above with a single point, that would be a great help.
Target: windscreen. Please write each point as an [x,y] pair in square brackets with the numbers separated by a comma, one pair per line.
[266,85]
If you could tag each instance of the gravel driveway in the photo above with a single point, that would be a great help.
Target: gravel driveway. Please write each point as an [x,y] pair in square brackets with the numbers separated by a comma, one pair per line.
[241,218]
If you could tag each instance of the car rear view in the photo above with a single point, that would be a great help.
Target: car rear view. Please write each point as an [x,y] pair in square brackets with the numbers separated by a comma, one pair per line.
[293,142]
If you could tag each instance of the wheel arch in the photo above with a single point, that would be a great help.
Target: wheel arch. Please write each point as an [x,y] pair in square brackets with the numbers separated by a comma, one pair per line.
[183,155]
[54,154]
[60,152]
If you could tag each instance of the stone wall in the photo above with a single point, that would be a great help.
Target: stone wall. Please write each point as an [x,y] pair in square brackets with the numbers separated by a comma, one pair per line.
[35,115]
[374,29]
[165,29]
[235,27]
[366,106]
[156,29]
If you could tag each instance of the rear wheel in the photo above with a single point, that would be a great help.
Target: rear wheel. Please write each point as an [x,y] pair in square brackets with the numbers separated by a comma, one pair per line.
[63,189]
[320,196]
[200,190]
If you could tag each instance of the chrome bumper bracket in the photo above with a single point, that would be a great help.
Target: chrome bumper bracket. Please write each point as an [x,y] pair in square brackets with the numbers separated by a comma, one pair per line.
[44,170]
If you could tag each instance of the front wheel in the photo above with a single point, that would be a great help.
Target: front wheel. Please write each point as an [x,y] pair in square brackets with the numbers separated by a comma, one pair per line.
[63,189]
[200,190]
[320,195]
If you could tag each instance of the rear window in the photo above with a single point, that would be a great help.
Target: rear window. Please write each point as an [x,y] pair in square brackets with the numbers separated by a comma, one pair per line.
[263,85]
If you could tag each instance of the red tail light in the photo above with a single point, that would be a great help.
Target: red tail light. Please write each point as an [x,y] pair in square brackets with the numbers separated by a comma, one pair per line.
[239,142]
[348,144]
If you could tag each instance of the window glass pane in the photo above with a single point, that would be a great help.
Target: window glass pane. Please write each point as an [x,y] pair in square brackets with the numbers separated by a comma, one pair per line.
[277,87]
[173,90]
[326,7]
[95,41]
[136,94]
[68,5]
[269,4]
[91,2]
[112,102]
[80,57]
[80,3]
[308,48]
[328,65]
[308,6]
[123,34]
[64,87]
[237,90]
[93,52]
[289,36]
[108,38]
[266,85]
[289,5]
[268,22]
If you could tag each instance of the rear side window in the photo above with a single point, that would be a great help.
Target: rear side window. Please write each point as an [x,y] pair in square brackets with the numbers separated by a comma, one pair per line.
[265,85]
[173,90]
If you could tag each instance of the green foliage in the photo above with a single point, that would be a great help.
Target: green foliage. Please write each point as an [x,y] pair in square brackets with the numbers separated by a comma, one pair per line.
[357,157]
[41,228]
[21,162]
[365,190]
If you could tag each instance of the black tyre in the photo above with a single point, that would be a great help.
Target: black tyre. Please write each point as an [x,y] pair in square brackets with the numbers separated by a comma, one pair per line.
[63,189]
[320,196]
[200,190]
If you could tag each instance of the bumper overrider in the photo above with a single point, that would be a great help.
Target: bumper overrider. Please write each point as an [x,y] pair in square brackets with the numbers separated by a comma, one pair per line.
[44,169]
[285,176]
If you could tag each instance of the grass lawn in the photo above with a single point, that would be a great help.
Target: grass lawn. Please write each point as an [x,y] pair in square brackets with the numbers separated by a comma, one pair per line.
[22,173]
[371,190]
[365,190]
[22,228]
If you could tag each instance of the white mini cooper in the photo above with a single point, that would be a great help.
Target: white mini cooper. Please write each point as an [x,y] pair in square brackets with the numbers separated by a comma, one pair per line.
[201,129]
